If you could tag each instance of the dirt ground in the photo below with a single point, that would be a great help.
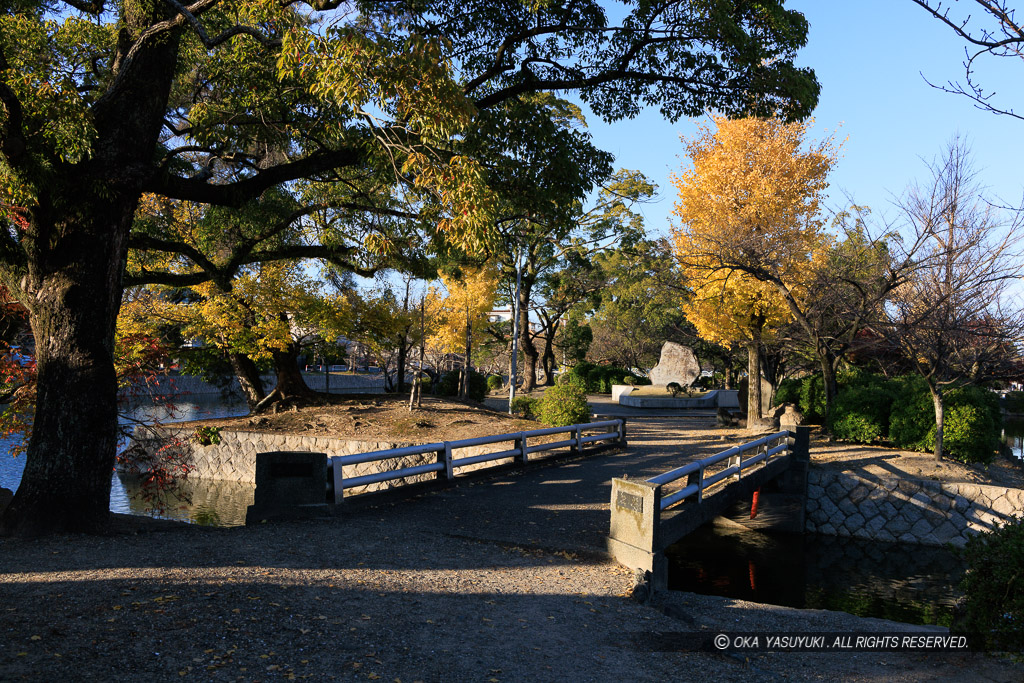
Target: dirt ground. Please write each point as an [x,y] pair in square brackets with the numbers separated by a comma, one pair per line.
[893,462]
[383,418]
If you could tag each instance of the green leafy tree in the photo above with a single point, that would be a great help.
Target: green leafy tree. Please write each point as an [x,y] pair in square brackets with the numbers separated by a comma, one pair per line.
[218,101]
[640,306]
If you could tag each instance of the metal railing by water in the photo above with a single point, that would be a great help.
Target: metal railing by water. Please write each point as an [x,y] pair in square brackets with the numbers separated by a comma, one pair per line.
[446,464]
[696,481]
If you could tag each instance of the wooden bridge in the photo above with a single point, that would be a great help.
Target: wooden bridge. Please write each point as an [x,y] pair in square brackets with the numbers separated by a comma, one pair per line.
[649,515]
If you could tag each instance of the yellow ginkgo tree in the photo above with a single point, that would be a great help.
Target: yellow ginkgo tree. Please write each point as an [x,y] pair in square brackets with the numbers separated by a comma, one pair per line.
[738,309]
[461,312]
[750,229]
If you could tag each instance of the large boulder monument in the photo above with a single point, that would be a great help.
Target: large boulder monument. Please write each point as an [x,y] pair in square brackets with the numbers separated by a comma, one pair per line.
[678,364]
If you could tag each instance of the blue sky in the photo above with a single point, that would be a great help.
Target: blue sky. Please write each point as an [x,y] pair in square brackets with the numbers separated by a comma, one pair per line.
[869,57]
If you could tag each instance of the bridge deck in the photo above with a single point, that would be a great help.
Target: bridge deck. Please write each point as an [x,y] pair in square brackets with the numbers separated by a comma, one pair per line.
[566,506]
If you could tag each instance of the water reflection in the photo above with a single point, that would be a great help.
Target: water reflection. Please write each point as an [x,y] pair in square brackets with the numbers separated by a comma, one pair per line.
[201,501]
[911,584]
[1013,435]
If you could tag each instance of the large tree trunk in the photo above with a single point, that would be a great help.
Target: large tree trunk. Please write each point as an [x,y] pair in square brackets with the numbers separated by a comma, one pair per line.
[291,387]
[828,375]
[75,249]
[70,456]
[772,363]
[526,345]
[548,360]
[754,408]
[403,361]
[248,379]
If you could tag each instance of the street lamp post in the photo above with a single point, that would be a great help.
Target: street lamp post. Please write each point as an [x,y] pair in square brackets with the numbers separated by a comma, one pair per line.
[515,329]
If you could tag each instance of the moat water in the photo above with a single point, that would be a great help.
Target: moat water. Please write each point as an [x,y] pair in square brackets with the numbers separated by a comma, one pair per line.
[911,584]
[199,501]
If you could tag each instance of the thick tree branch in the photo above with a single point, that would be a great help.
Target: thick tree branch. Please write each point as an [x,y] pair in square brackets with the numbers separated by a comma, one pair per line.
[334,254]
[224,35]
[239,192]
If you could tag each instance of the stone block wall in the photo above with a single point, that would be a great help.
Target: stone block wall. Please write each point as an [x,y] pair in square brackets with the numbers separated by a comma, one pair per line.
[905,510]
[234,458]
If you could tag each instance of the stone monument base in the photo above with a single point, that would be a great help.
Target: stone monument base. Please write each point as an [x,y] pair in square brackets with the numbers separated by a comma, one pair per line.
[712,400]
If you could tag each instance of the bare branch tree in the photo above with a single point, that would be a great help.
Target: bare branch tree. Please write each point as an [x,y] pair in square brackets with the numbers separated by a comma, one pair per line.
[956,318]
[996,32]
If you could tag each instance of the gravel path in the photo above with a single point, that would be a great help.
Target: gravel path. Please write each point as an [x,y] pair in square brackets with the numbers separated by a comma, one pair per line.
[494,581]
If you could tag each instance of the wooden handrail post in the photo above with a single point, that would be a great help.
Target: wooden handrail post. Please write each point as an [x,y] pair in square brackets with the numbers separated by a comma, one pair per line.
[337,480]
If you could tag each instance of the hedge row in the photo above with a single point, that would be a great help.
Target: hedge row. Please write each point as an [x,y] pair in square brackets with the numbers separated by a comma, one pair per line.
[869,407]
[598,379]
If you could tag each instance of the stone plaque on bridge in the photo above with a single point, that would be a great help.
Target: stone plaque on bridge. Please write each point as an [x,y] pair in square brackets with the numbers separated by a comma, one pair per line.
[628,501]
[678,364]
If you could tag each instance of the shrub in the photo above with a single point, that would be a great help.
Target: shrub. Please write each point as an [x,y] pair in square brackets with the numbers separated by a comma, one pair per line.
[629,380]
[526,406]
[206,436]
[448,385]
[477,389]
[494,382]
[857,427]
[564,405]
[594,378]
[812,398]
[993,604]
[972,425]
[913,414]
[577,376]
[674,388]
[862,411]
[788,391]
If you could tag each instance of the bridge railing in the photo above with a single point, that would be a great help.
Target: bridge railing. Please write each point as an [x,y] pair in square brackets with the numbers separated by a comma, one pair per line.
[697,479]
[446,464]
[648,515]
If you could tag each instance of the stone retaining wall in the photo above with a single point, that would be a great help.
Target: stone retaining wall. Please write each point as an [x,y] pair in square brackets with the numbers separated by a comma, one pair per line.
[905,510]
[234,458]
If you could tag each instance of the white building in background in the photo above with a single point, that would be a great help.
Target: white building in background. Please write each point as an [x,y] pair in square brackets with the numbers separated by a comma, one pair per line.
[500,315]
[504,315]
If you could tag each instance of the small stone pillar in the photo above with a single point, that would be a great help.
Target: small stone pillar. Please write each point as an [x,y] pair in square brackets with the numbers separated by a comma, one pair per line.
[289,485]
[634,538]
